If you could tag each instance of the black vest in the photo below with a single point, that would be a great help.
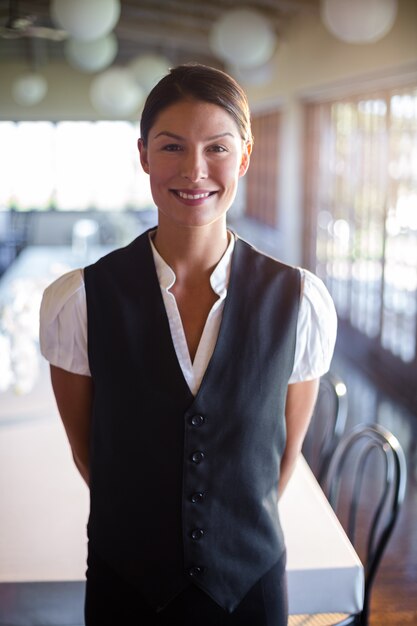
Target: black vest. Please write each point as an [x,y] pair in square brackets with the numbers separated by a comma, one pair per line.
[184,489]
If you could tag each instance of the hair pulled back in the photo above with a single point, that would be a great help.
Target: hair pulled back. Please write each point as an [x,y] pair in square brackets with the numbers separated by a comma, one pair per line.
[197,82]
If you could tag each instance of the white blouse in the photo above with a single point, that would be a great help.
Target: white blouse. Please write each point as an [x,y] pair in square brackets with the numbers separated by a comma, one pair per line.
[63,323]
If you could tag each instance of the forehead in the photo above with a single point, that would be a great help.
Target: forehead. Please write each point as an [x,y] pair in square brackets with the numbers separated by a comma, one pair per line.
[188,117]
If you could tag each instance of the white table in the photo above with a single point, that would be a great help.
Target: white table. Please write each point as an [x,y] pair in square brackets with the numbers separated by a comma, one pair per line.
[325,574]
[44,509]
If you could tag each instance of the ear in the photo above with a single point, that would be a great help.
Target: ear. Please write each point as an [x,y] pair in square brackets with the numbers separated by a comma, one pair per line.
[244,163]
[143,155]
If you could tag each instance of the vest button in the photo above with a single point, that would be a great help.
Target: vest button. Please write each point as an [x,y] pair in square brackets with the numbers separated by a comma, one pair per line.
[197,496]
[197,420]
[197,534]
[197,457]
[196,570]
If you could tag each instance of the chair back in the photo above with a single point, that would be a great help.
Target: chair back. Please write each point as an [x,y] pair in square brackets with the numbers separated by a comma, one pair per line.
[327,424]
[365,484]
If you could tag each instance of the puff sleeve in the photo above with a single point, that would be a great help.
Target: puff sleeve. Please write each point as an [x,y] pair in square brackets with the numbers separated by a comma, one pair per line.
[316,330]
[63,324]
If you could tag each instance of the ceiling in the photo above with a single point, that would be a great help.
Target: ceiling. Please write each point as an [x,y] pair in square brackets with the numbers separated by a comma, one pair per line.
[177,29]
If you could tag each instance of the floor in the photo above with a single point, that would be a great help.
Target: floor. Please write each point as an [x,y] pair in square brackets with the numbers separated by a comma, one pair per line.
[394,595]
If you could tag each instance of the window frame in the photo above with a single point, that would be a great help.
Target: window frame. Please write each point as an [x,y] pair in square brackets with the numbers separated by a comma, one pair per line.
[320,173]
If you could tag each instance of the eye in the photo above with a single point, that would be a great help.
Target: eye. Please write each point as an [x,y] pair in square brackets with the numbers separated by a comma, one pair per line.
[172,147]
[217,148]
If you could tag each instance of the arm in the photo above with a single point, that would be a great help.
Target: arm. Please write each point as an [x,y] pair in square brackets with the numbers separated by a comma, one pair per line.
[301,398]
[74,395]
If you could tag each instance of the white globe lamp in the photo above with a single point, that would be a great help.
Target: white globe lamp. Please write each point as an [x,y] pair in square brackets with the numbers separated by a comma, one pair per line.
[91,56]
[86,19]
[358,21]
[114,93]
[29,89]
[148,69]
[243,38]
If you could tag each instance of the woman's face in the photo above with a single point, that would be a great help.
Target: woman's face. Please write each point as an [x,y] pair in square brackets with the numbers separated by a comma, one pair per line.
[194,157]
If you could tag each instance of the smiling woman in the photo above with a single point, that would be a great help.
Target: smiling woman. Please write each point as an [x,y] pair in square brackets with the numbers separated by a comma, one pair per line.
[185,368]
[196,167]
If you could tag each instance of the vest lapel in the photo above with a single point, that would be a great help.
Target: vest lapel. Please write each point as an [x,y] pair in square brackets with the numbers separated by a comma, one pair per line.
[164,340]
[226,338]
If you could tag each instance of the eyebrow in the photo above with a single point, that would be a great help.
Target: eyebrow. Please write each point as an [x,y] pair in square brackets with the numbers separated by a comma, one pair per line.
[167,133]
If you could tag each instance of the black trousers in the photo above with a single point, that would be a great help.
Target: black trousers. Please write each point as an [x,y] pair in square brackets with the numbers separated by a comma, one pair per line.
[110,601]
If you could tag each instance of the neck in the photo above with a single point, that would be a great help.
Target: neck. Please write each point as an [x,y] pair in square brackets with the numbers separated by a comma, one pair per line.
[191,252]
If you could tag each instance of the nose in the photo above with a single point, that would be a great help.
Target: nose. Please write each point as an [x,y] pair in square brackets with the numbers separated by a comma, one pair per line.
[194,166]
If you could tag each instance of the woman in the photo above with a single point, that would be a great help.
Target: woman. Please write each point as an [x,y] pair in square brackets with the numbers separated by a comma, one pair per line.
[187,400]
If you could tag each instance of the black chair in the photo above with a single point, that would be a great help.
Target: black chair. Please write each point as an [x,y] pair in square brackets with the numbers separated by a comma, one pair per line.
[327,424]
[367,515]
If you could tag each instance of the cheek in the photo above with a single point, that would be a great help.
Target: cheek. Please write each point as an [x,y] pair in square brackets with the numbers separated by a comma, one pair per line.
[157,181]
[227,171]
[233,174]
[161,171]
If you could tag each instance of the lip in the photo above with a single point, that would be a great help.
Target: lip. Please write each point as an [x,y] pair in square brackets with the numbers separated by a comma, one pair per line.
[193,195]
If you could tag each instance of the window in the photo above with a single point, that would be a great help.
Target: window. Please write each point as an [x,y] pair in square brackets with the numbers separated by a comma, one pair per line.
[361,200]
[262,176]
[71,166]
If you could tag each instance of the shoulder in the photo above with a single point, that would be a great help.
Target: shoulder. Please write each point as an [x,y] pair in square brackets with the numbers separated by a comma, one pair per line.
[316,329]
[63,289]
[63,329]
[315,294]
[115,270]
[260,259]
[120,256]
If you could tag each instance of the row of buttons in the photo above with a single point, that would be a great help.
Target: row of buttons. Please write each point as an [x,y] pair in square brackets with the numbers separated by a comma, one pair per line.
[197,457]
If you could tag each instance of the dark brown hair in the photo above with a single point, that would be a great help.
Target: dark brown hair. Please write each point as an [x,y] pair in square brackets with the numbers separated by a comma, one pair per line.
[198,82]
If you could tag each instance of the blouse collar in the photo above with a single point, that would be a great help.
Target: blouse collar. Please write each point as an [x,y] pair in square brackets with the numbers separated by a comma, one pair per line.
[219,278]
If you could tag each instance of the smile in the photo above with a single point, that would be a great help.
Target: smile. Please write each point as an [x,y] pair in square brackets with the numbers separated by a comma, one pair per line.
[194,196]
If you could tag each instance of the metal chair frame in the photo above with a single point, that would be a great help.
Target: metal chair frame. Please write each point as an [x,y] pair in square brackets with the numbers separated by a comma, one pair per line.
[366,439]
[334,424]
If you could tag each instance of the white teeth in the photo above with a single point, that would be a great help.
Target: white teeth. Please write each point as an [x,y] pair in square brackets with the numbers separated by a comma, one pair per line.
[192,196]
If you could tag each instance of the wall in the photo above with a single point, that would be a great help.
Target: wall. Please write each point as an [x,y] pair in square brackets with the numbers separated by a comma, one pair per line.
[310,58]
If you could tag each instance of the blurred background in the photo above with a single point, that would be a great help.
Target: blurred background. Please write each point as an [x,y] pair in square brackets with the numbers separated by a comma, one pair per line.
[332,184]
[333,180]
